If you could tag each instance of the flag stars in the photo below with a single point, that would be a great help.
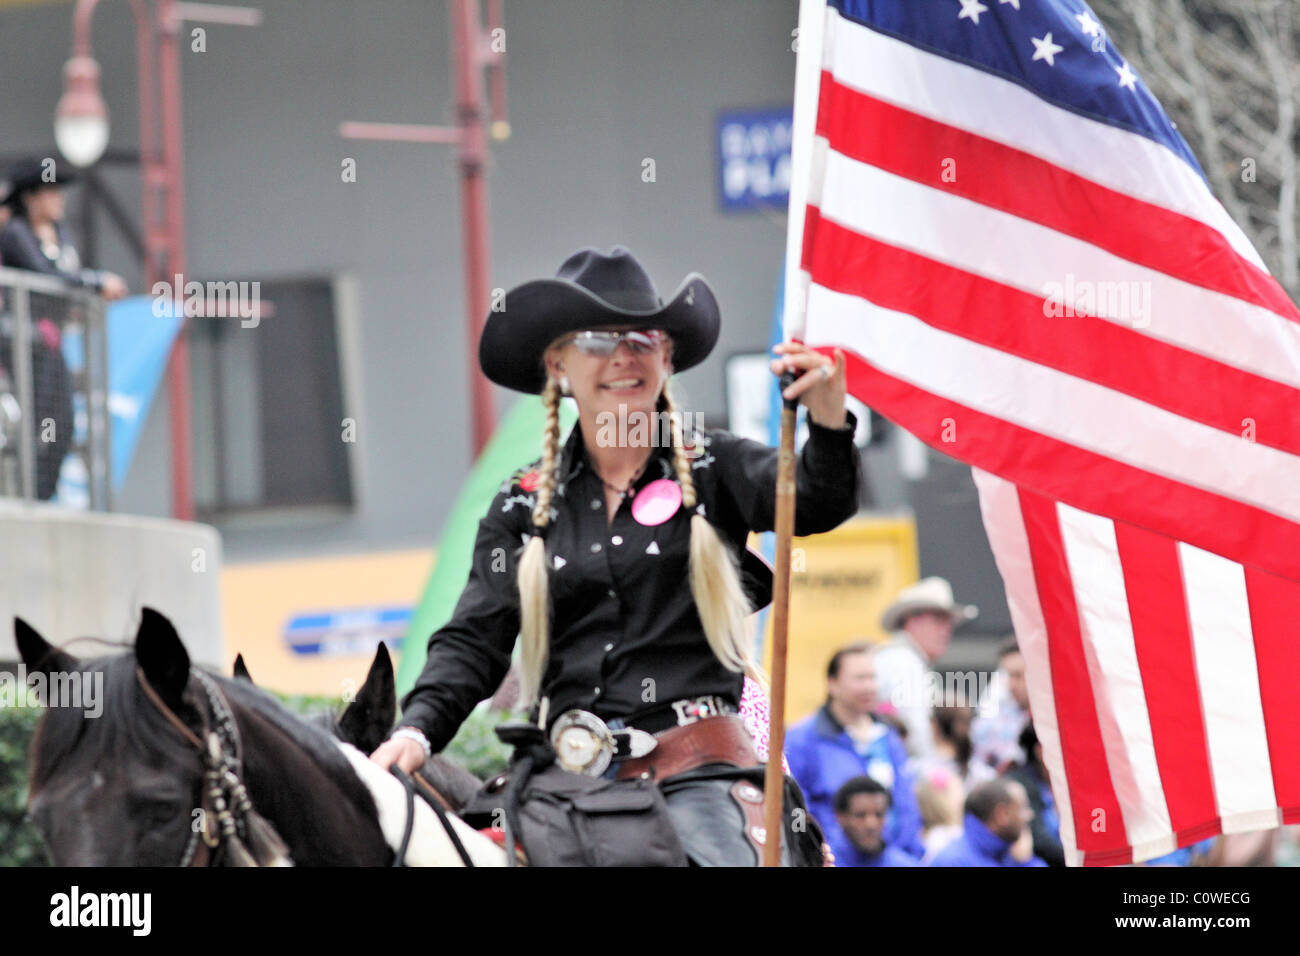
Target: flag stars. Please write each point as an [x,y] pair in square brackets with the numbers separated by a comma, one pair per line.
[1014,3]
[1045,49]
[1127,78]
[971,10]
[1089,26]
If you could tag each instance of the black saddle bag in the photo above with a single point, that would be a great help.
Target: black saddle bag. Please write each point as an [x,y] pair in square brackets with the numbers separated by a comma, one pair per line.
[567,819]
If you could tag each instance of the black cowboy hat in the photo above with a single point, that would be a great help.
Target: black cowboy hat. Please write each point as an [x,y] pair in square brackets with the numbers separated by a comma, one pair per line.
[29,174]
[593,290]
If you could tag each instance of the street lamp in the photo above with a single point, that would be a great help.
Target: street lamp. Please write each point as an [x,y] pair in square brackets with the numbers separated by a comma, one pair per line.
[81,118]
[81,131]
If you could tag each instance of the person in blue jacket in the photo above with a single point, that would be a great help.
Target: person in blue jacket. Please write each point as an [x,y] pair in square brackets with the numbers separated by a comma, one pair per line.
[845,739]
[861,806]
[996,829]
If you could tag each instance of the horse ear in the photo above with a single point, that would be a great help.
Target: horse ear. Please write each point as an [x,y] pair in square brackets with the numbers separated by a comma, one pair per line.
[38,655]
[162,656]
[368,719]
[241,669]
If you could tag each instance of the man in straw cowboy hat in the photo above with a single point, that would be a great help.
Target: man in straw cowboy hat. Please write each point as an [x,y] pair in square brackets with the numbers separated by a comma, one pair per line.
[619,559]
[921,620]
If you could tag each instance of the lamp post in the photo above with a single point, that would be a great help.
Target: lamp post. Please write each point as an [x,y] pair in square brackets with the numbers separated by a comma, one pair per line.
[81,130]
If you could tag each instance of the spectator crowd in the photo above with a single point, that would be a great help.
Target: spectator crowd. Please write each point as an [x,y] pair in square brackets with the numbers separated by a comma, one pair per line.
[896,777]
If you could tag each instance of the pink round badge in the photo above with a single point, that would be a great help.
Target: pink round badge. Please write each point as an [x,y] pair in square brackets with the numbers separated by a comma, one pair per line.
[657,502]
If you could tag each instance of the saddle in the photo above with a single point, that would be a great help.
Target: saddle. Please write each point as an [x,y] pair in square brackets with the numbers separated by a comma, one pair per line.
[563,818]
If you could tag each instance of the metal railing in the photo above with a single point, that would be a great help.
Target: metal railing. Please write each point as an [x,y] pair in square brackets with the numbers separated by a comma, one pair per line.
[54,416]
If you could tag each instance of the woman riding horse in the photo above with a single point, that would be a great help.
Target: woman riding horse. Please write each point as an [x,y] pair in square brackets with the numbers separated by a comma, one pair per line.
[627,591]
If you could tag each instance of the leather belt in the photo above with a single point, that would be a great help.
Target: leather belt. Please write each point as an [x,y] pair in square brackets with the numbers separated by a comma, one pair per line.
[708,740]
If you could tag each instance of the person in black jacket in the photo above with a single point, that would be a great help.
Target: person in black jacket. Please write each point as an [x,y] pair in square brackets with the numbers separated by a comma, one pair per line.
[35,237]
[617,556]
[1032,775]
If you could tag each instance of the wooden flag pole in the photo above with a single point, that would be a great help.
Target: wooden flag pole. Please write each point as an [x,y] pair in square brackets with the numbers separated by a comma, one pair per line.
[807,86]
[774,780]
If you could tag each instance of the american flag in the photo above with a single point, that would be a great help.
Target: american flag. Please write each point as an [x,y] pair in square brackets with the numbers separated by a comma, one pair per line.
[1020,256]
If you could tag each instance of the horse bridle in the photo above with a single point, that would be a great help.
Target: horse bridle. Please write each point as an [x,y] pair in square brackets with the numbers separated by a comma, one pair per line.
[225,798]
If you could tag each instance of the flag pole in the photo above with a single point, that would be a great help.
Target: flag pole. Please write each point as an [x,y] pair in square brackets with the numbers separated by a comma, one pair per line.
[803,179]
[774,778]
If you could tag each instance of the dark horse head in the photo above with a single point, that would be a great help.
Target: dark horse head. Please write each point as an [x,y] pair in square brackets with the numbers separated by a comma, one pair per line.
[120,784]
[367,720]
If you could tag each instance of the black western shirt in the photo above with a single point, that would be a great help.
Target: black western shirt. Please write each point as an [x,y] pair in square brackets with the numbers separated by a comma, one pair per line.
[625,633]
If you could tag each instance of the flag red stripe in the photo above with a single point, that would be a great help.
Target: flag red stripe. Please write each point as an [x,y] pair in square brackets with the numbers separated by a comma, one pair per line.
[1162,638]
[1183,382]
[1003,177]
[1098,821]
[1275,621]
[1082,478]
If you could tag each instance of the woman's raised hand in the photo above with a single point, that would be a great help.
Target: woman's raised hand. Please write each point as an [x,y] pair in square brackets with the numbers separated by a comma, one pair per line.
[820,384]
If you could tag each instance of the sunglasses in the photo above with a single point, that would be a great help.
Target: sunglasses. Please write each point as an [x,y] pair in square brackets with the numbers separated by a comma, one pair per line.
[603,343]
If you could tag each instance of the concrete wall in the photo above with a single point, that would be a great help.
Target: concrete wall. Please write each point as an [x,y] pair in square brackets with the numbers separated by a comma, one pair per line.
[71,574]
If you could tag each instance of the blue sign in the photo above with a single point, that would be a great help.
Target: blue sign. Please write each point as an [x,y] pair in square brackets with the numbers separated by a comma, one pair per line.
[754,159]
[348,631]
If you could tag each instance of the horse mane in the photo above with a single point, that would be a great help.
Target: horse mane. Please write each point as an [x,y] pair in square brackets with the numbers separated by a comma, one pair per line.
[314,740]
[130,724]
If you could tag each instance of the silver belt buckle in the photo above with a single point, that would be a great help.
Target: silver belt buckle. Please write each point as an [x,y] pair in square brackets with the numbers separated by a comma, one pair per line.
[583,743]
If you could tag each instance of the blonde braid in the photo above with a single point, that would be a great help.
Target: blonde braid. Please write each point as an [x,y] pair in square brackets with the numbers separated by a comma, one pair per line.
[715,579]
[533,581]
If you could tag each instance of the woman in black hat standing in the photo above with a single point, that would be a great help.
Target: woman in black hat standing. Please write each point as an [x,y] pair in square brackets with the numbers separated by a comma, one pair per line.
[35,237]
[617,559]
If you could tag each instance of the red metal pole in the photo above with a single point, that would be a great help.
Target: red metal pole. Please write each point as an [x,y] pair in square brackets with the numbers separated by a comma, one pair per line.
[164,223]
[466,35]
[151,172]
[178,365]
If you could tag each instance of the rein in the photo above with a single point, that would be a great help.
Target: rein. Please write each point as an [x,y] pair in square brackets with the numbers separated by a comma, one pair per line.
[434,800]
[247,837]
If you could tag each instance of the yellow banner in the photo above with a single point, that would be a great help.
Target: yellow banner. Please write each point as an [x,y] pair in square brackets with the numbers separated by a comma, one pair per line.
[840,582]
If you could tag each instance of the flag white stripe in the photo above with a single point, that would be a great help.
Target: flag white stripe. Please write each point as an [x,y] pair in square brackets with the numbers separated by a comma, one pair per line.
[1000,505]
[998,109]
[1097,575]
[1219,614]
[805,175]
[1055,404]
[992,243]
